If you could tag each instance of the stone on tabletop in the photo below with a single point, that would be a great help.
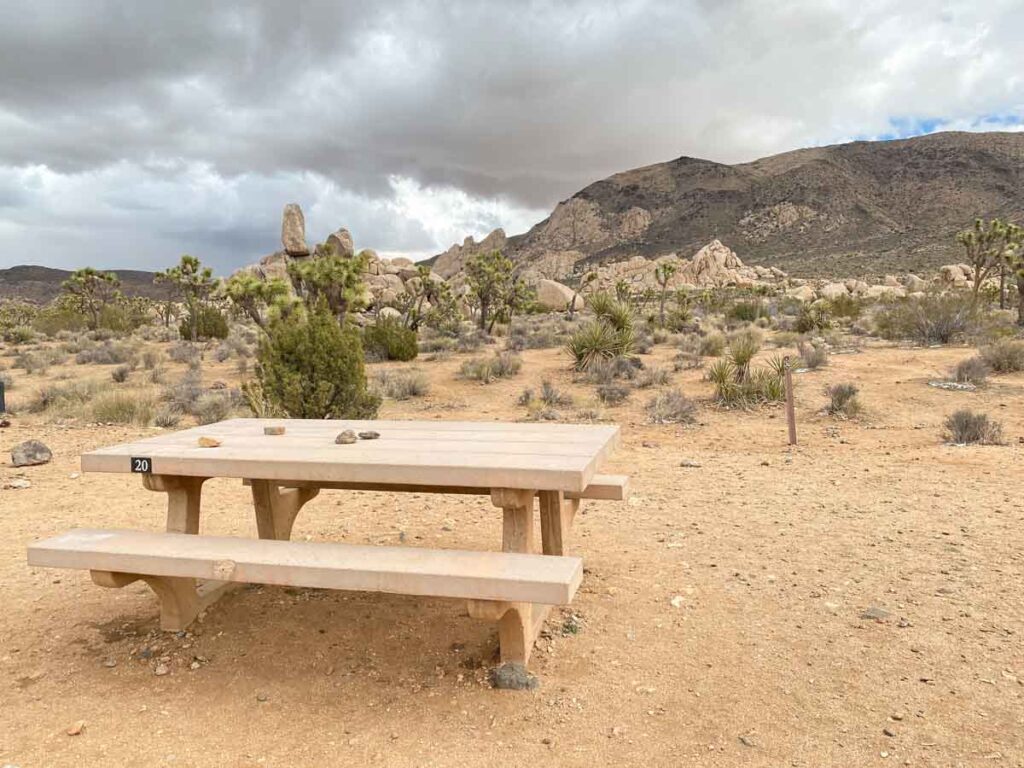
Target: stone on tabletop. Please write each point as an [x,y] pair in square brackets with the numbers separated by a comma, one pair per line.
[346,438]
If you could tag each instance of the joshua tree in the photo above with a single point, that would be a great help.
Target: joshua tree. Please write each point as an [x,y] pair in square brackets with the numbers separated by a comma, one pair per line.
[489,277]
[91,291]
[194,283]
[254,297]
[985,246]
[663,273]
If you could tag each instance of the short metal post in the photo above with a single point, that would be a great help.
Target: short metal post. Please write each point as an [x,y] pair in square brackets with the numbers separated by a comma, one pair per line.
[790,412]
[3,402]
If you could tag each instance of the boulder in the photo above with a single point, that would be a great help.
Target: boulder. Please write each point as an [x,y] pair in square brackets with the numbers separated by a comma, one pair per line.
[341,242]
[293,231]
[274,265]
[555,297]
[833,291]
[408,273]
[801,293]
[401,261]
[30,453]
[891,281]
[389,312]
[914,284]
[885,291]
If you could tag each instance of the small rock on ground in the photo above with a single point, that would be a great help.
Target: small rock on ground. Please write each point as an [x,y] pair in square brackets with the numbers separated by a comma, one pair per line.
[513,677]
[30,453]
[874,613]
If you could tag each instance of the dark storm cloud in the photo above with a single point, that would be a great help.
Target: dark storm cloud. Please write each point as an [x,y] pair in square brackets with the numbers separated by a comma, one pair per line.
[172,127]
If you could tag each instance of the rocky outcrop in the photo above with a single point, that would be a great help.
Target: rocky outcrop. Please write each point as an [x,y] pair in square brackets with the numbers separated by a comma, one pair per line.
[293,231]
[341,243]
[454,259]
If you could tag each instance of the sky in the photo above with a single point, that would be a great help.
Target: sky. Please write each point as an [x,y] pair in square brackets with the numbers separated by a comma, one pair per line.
[131,133]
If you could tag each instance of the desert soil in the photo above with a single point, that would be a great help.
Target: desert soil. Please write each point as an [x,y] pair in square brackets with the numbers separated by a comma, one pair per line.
[854,601]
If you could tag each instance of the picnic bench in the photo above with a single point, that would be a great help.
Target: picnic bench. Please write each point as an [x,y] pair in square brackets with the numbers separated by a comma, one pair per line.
[286,463]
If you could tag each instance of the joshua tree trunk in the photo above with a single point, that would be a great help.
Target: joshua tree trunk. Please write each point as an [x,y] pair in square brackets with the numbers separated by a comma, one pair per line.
[1020,298]
[1002,286]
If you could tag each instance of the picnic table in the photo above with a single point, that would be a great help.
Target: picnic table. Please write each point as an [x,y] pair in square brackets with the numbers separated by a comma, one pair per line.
[287,462]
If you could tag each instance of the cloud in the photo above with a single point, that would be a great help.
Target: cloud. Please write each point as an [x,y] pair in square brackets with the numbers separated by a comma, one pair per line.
[131,133]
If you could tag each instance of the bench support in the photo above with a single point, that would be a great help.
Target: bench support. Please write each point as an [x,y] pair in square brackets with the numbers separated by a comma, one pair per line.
[180,599]
[276,507]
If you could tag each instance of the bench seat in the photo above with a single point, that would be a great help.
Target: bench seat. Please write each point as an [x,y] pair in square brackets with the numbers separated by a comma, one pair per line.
[487,576]
[600,488]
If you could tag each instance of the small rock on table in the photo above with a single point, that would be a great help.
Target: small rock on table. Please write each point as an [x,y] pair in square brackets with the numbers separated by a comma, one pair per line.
[369,435]
[346,438]
[208,442]
[30,453]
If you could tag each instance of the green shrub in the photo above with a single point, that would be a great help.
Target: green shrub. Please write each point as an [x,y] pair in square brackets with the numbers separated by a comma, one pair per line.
[123,408]
[212,324]
[748,311]
[712,345]
[845,306]
[120,374]
[151,359]
[973,370]
[843,400]
[929,319]
[966,427]
[388,339]
[611,334]
[671,407]
[737,387]
[1004,356]
[311,367]
[19,334]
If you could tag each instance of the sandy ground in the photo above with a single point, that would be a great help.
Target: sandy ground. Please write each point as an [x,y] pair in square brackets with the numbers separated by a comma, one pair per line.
[766,661]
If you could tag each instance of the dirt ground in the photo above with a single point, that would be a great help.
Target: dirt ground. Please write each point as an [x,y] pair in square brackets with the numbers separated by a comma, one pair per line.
[721,621]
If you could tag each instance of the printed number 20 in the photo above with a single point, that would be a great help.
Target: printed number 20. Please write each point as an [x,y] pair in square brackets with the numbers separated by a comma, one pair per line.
[144,466]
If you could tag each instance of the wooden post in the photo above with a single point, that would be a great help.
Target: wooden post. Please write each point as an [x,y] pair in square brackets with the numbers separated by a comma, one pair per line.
[790,412]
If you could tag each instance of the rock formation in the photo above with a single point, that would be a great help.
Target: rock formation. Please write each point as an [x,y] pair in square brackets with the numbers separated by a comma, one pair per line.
[454,259]
[293,231]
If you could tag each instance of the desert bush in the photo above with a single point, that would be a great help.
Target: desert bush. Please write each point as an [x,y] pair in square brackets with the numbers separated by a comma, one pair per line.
[436,344]
[123,408]
[19,334]
[401,385]
[167,415]
[485,370]
[108,353]
[64,399]
[928,319]
[972,370]
[211,324]
[151,359]
[222,353]
[671,407]
[388,339]
[184,394]
[310,366]
[845,306]
[812,317]
[551,396]
[812,355]
[736,387]
[32,362]
[742,347]
[712,345]
[613,394]
[242,366]
[843,400]
[652,377]
[965,427]
[470,339]
[1004,356]
[183,352]
[529,333]
[212,407]
[120,374]
[613,369]
[748,311]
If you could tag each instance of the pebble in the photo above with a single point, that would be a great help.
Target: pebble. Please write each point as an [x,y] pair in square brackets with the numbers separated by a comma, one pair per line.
[676,602]
[513,677]
[689,464]
[369,435]
[161,670]
[77,728]
[273,430]
[209,442]
[889,732]
[874,613]
[18,482]
[109,663]
[262,696]
[194,665]
[346,438]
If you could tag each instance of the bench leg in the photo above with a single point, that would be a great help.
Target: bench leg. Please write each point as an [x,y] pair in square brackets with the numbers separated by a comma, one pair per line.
[556,516]
[277,508]
[180,600]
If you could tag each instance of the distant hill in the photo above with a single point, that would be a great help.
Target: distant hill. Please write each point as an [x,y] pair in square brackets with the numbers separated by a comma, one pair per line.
[41,284]
[849,209]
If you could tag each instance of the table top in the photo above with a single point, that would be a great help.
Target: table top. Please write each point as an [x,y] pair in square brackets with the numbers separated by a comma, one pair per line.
[549,457]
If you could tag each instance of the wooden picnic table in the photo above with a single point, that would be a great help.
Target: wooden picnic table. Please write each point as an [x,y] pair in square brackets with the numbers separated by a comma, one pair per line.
[512,463]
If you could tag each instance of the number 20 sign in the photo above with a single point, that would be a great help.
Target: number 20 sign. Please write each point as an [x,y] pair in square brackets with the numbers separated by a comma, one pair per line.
[142,465]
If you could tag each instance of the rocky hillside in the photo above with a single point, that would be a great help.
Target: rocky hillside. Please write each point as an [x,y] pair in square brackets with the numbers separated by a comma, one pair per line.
[851,209]
[41,284]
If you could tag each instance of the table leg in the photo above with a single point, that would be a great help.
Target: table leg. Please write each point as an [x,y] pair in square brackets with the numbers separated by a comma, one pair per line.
[276,507]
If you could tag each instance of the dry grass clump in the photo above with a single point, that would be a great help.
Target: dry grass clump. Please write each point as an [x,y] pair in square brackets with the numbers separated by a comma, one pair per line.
[613,394]
[549,395]
[973,370]
[485,370]
[1004,356]
[167,415]
[671,407]
[183,352]
[120,374]
[123,408]
[108,353]
[711,345]
[652,377]
[965,427]
[843,401]
[401,385]
[184,394]
[615,369]
[63,399]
